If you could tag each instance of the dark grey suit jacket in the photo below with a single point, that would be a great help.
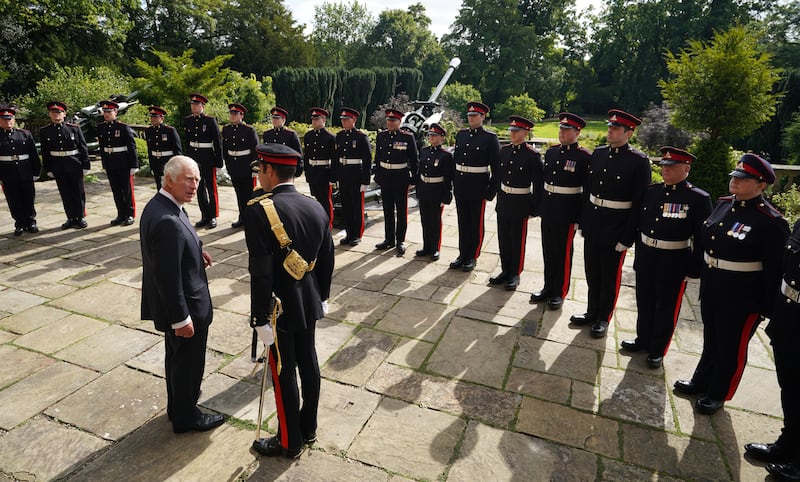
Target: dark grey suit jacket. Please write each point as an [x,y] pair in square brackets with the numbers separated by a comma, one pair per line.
[174,282]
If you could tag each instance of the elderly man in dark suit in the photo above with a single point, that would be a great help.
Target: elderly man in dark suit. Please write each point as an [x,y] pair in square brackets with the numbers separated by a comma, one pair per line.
[175,292]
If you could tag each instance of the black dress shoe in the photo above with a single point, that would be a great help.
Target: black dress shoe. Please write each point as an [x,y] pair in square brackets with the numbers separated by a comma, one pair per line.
[212,223]
[309,438]
[631,346]
[584,319]
[127,221]
[33,228]
[498,279]
[512,282]
[788,471]
[355,241]
[80,223]
[237,224]
[468,265]
[201,223]
[401,249]
[271,447]
[435,256]
[687,387]
[767,452]
[18,231]
[421,252]
[654,361]
[555,303]
[344,241]
[457,263]
[384,245]
[708,406]
[70,223]
[599,329]
[116,221]
[207,421]
[538,296]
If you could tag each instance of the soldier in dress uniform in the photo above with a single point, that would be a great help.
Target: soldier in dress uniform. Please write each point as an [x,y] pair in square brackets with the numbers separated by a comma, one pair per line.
[476,154]
[19,167]
[519,178]
[434,190]
[352,169]
[65,157]
[319,147]
[395,165]
[743,242]
[667,252]
[163,142]
[280,134]
[565,169]
[239,142]
[618,177]
[118,153]
[204,145]
[783,329]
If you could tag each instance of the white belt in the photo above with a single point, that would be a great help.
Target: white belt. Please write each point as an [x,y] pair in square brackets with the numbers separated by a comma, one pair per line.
[742,266]
[472,169]
[239,153]
[161,153]
[20,157]
[607,203]
[790,292]
[661,244]
[115,149]
[431,180]
[515,190]
[320,162]
[350,162]
[563,189]
[201,145]
[64,153]
[388,165]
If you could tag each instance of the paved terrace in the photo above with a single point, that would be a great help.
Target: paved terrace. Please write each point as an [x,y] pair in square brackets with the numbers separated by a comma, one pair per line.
[428,374]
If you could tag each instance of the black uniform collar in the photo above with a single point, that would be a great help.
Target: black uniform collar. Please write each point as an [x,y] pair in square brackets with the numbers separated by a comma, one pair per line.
[623,148]
[756,201]
[570,147]
[675,187]
[477,129]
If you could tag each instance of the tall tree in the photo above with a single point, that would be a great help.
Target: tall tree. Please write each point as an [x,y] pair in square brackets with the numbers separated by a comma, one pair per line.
[339,30]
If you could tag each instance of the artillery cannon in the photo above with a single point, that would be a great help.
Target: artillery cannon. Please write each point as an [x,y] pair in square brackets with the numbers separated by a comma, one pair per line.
[419,120]
[88,117]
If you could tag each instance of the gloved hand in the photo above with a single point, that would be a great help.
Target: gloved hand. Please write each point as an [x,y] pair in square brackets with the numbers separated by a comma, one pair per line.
[325,308]
[255,175]
[332,183]
[134,170]
[364,187]
[265,334]
[50,174]
[620,248]
[85,172]
[35,178]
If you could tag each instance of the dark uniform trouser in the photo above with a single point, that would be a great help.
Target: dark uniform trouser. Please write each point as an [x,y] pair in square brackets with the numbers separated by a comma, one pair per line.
[157,168]
[122,187]
[511,235]
[184,364]
[207,191]
[395,199]
[352,209]
[784,333]
[243,187]
[470,227]
[73,196]
[323,193]
[726,334]
[298,353]
[20,197]
[603,275]
[557,251]
[430,214]
[658,303]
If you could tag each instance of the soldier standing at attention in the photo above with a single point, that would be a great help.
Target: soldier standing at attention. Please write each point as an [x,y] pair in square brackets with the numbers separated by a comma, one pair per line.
[118,153]
[519,175]
[565,168]
[352,168]
[475,157]
[319,147]
[66,158]
[239,142]
[434,190]
[163,142]
[19,167]
[667,251]
[618,178]
[204,145]
[395,165]
[280,134]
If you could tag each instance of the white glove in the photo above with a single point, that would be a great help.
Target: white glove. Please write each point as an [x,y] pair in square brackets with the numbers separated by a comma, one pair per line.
[265,334]
[255,175]
[332,183]
[619,248]
[364,187]
[325,307]
[35,178]
[50,174]
[85,172]
[134,170]
[441,205]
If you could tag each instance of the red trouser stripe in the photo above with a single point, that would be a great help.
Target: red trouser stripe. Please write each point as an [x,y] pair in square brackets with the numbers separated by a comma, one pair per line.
[441,227]
[214,186]
[255,183]
[361,231]
[523,238]
[133,197]
[741,358]
[616,285]
[675,315]
[330,205]
[480,229]
[568,261]
[278,400]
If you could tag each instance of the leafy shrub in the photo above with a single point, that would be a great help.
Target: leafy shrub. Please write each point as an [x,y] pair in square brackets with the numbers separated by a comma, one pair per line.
[714,164]
[657,131]
[788,202]
[522,105]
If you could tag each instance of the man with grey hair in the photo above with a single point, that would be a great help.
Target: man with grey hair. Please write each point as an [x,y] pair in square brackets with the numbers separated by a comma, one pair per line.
[175,292]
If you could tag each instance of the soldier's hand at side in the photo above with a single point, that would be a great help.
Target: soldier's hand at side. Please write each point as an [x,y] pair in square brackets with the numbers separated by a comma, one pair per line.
[50,174]
[35,178]
[265,334]
[185,331]
[619,248]
[364,187]
[207,261]
[134,170]
[325,307]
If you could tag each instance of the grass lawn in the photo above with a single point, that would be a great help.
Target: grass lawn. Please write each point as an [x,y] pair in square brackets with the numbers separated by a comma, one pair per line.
[549,128]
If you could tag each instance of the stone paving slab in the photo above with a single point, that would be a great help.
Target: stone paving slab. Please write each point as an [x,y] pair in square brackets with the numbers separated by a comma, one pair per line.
[736,428]
[410,353]
[636,398]
[359,357]
[235,398]
[94,301]
[355,305]
[40,390]
[343,412]
[109,269]
[108,348]
[330,336]
[540,385]
[152,360]
[60,334]
[15,301]
[557,359]
[113,405]
[317,466]
[18,364]
[614,471]
[421,443]
[58,450]
[29,320]
[229,332]
[417,319]
[231,295]
[34,277]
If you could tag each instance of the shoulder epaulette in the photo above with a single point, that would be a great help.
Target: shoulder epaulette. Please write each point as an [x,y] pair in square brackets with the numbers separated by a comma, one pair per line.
[598,148]
[490,132]
[725,198]
[362,132]
[531,148]
[640,154]
[584,150]
[70,124]
[770,210]
[407,132]
[696,189]
[258,199]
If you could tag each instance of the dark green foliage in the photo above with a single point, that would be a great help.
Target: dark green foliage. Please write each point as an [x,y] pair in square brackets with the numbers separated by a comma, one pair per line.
[354,89]
[657,131]
[714,163]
